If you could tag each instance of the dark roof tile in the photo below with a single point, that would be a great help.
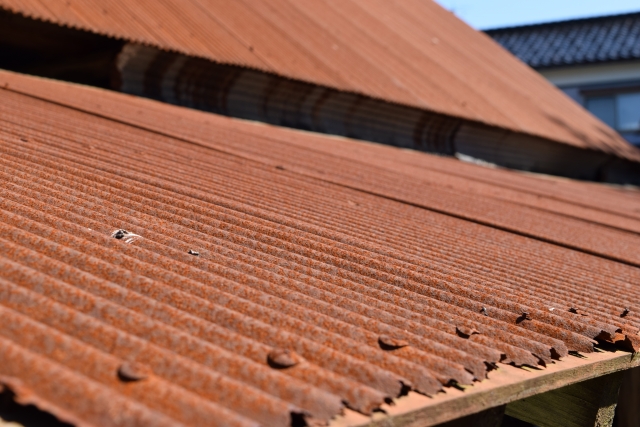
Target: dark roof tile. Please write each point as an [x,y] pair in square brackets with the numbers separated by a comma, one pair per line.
[574,42]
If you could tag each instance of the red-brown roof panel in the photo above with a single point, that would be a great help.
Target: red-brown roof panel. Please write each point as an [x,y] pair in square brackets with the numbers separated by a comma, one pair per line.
[208,268]
[410,52]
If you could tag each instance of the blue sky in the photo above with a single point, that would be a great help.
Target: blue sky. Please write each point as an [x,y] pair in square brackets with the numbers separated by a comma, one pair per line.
[483,14]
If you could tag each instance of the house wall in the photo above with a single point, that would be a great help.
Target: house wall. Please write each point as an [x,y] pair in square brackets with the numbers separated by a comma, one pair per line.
[593,74]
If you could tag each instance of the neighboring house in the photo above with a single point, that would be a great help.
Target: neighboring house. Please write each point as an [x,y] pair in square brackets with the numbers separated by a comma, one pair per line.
[596,61]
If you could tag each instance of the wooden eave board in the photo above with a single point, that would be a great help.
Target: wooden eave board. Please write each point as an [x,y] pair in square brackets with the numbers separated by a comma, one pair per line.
[505,385]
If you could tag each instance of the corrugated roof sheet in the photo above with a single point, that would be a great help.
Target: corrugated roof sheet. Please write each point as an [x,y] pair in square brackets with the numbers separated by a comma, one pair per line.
[410,52]
[573,42]
[270,275]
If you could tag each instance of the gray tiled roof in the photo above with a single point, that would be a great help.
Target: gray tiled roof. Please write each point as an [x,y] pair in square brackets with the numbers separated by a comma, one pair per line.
[580,41]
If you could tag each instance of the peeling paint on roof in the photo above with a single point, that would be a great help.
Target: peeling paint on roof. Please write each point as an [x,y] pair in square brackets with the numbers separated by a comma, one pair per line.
[329,272]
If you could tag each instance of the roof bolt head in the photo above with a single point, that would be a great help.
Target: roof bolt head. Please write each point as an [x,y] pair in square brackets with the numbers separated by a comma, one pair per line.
[465,332]
[194,253]
[282,358]
[133,371]
[484,311]
[390,343]
[625,312]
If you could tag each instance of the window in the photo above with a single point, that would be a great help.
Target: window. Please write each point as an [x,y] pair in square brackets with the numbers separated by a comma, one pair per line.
[620,111]
[628,111]
[604,108]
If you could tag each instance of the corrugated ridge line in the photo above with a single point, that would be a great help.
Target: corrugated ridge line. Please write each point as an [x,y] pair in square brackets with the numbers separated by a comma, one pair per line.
[141,160]
[615,310]
[511,229]
[622,221]
[89,282]
[344,148]
[553,291]
[281,199]
[492,222]
[444,286]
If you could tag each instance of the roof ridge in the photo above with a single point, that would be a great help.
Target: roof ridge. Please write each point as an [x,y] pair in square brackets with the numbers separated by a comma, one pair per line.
[561,22]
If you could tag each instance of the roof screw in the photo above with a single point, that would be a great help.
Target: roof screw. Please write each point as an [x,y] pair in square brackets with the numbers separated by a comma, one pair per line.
[133,371]
[194,253]
[625,312]
[280,168]
[389,343]
[484,311]
[282,358]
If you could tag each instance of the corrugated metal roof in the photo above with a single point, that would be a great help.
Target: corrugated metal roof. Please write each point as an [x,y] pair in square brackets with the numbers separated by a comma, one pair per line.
[410,52]
[574,42]
[269,275]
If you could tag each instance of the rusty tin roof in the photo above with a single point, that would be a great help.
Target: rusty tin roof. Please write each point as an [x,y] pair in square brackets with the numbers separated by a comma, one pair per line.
[165,266]
[411,52]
